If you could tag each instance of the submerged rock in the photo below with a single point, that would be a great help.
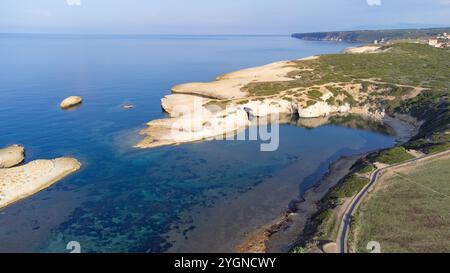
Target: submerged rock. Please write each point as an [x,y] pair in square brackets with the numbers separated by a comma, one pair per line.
[127,106]
[11,156]
[70,102]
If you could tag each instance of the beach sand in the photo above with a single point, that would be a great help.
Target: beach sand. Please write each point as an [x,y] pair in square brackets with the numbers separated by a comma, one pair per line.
[229,86]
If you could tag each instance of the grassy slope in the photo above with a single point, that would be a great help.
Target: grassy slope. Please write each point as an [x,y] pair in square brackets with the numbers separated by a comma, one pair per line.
[393,156]
[406,217]
[405,63]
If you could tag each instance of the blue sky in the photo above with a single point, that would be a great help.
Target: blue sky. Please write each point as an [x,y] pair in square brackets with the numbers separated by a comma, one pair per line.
[214,16]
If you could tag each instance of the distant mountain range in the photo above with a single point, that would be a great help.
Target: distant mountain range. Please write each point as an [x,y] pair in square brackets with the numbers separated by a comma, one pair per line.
[369,36]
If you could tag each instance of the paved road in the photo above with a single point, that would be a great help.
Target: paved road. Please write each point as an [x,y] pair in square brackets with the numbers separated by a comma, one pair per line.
[347,217]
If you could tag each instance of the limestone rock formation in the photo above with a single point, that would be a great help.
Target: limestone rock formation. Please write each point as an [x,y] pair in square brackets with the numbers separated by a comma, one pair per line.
[70,102]
[20,182]
[11,156]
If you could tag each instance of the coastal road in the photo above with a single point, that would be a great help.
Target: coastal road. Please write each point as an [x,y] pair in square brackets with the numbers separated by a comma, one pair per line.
[353,206]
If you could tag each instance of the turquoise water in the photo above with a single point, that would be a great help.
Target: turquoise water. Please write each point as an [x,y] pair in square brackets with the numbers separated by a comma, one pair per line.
[128,200]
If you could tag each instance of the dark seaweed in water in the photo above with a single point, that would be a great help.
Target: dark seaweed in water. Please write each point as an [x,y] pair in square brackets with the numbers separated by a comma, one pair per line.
[119,216]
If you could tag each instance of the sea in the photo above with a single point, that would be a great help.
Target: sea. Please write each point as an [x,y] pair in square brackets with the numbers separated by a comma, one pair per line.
[150,200]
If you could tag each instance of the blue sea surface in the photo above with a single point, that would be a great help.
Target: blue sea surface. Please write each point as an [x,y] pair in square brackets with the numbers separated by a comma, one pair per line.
[125,199]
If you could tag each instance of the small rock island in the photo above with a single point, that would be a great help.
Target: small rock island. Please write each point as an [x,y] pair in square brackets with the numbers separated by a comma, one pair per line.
[71,102]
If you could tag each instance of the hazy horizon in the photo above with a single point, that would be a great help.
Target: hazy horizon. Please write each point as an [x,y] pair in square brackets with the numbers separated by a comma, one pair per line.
[202,17]
[220,34]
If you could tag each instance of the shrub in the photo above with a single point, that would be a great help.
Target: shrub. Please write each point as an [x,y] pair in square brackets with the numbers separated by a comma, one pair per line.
[315,94]
[394,155]
[438,148]
[350,186]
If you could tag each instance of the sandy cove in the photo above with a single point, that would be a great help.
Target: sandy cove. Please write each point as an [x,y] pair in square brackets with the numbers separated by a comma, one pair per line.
[23,181]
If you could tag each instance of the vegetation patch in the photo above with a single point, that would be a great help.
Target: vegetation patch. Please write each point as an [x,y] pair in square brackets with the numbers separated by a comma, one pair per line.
[394,156]
[243,102]
[315,94]
[349,187]
[310,103]
[438,148]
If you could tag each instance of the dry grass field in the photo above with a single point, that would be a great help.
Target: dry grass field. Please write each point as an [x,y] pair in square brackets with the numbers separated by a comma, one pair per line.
[409,211]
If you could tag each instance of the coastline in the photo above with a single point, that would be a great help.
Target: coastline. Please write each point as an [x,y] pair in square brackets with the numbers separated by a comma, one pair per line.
[168,181]
[278,235]
[282,234]
[201,111]
[253,94]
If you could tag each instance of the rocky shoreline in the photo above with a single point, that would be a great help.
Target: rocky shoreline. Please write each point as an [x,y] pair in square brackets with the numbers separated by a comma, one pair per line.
[204,111]
[19,182]
[280,234]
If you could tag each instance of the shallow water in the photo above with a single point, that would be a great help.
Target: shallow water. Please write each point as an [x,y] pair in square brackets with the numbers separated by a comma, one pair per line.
[128,200]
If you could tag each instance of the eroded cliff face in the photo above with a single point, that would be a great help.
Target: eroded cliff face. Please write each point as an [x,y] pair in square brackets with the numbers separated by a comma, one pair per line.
[262,108]
[194,124]
[196,119]
[322,109]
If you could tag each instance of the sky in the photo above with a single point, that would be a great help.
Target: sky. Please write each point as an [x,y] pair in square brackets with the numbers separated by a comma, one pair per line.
[216,16]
